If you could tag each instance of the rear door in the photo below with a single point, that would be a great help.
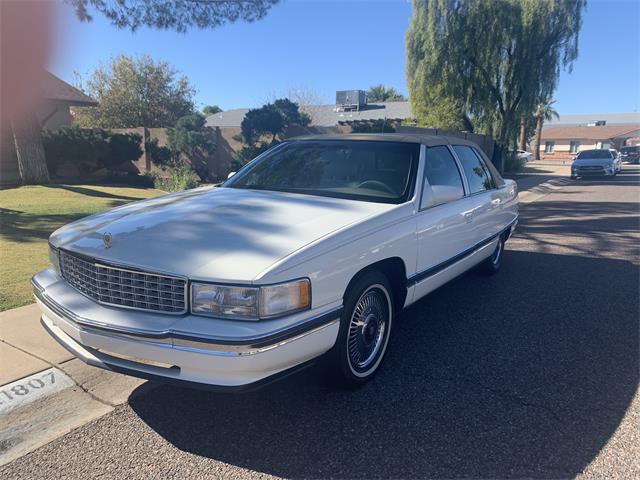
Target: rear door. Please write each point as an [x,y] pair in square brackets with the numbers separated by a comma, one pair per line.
[484,192]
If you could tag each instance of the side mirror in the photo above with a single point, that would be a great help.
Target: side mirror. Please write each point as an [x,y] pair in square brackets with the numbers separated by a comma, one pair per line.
[439,194]
[231,174]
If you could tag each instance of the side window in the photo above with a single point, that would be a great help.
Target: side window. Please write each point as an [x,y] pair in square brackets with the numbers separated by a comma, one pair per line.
[474,168]
[495,179]
[443,177]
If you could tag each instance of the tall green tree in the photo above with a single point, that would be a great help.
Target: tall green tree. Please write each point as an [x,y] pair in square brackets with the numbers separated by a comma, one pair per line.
[135,92]
[191,137]
[271,119]
[380,93]
[544,112]
[490,60]
[179,15]
[211,110]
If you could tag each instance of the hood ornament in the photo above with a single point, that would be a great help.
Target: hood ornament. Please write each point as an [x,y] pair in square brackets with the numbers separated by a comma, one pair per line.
[107,239]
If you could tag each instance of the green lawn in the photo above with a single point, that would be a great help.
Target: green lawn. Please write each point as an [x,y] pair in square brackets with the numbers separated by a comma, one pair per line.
[29,215]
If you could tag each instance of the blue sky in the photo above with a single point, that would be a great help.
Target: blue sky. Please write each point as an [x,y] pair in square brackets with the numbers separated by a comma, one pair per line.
[324,46]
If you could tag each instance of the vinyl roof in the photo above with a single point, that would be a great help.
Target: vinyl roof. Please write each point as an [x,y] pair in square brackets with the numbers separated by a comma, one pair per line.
[429,140]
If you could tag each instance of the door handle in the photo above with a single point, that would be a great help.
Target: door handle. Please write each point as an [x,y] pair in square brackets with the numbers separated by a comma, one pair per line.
[468,217]
[495,201]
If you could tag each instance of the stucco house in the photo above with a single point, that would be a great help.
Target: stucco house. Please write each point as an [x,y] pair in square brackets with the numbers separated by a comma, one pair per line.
[563,142]
[57,98]
[53,112]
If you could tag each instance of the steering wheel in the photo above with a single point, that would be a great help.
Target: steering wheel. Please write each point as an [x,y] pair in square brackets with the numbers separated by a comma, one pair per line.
[376,185]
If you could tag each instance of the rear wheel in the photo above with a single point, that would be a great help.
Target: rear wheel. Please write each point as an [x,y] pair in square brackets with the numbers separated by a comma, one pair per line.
[492,264]
[364,331]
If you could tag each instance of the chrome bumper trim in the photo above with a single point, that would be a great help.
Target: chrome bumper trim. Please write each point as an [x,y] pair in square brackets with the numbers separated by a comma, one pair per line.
[189,342]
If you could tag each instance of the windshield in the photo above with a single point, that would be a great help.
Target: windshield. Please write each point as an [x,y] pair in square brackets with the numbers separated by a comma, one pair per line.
[629,149]
[358,170]
[594,154]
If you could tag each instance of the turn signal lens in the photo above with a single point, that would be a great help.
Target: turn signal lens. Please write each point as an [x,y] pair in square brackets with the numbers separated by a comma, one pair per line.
[54,257]
[285,298]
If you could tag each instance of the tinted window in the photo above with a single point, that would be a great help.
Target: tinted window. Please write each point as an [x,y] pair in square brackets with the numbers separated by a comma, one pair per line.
[359,170]
[595,154]
[474,169]
[441,168]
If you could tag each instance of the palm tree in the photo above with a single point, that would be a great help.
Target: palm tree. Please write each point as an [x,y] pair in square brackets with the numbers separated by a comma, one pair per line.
[380,93]
[544,112]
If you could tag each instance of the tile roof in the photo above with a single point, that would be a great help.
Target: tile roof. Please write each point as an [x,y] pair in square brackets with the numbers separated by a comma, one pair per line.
[324,115]
[53,88]
[584,119]
[602,132]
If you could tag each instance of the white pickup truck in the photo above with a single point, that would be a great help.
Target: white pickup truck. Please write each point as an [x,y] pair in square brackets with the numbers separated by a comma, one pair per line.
[306,254]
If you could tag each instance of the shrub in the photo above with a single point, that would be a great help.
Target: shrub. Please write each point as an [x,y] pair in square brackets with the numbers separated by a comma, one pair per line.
[191,137]
[512,163]
[75,145]
[248,153]
[123,147]
[374,126]
[180,177]
[130,178]
[82,147]
[160,156]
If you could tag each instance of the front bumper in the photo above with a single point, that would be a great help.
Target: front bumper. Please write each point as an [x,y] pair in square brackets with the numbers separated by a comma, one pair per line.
[593,172]
[198,360]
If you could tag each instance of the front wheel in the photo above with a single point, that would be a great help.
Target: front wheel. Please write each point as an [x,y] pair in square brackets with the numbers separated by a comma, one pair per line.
[365,327]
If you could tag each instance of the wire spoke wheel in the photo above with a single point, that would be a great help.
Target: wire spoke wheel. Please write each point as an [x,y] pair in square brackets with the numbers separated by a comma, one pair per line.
[368,328]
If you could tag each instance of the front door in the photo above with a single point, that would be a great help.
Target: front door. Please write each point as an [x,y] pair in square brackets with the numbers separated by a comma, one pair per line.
[443,223]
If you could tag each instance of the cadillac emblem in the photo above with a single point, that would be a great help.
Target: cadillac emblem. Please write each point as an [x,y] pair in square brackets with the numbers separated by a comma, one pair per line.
[107,239]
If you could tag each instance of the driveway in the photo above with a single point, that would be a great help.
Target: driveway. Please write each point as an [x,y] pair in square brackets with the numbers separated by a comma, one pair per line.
[529,373]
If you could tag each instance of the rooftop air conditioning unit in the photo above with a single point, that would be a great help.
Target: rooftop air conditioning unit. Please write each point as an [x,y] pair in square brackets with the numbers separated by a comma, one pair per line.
[351,99]
[596,123]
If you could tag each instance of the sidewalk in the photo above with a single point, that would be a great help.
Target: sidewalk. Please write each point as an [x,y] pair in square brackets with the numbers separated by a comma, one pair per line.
[25,348]
[44,391]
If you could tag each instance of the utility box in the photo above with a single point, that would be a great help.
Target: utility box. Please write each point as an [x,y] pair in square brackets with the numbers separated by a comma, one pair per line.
[351,99]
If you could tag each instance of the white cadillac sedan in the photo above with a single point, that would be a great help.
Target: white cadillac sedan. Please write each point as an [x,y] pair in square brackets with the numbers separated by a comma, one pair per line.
[307,253]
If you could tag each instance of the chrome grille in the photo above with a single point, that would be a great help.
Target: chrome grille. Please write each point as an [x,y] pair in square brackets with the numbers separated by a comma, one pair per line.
[122,287]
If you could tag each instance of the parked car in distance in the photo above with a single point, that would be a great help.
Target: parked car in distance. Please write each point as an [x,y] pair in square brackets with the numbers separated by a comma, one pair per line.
[306,254]
[616,159]
[524,155]
[630,154]
[596,162]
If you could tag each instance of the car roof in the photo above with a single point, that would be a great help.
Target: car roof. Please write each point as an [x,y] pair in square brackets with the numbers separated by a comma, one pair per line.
[428,140]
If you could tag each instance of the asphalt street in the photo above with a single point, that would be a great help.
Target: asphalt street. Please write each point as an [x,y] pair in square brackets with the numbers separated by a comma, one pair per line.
[530,373]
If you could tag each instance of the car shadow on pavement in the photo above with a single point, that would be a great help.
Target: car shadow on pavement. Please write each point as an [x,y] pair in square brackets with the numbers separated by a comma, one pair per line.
[524,374]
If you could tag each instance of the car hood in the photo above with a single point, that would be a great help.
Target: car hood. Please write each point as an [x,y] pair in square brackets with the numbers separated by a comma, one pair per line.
[589,162]
[217,234]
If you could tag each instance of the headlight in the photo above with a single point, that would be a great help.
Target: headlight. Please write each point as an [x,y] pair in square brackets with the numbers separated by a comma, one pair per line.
[250,303]
[54,258]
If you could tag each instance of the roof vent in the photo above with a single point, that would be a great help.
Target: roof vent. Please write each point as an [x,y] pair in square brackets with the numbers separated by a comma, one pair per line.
[351,99]
[596,123]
